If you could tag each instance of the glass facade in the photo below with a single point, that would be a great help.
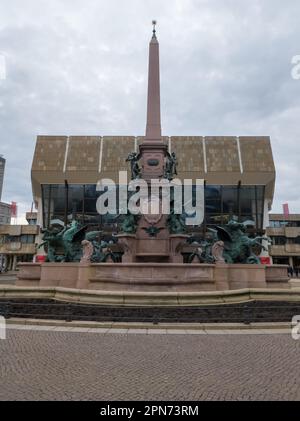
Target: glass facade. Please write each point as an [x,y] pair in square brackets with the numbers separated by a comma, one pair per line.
[74,201]
[221,204]
[280,224]
[224,202]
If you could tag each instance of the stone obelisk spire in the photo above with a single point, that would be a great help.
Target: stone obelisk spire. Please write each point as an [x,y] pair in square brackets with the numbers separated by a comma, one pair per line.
[153,149]
[153,127]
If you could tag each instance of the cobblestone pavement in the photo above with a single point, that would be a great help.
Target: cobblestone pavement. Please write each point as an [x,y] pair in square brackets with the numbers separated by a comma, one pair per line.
[74,365]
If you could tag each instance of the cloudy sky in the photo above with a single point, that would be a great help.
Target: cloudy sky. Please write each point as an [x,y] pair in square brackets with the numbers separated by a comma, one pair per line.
[77,67]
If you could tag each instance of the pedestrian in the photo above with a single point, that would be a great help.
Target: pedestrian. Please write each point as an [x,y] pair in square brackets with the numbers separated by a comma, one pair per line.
[296,269]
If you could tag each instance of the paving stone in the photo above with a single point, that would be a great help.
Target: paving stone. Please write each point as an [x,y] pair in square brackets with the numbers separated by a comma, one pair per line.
[55,365]
[176,331]
[80,329]
[99,330]
[41,327]
[13,326]
[156,331]
[196,332]
[138,331]
[62,329]
[19,327]
[116,330]
[278,331]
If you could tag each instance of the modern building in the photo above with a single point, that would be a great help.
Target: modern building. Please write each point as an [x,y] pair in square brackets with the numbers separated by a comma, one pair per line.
[239,175]
[18,243]
[2,169]
[5,208]
[284,232]
[5,213]
[238,171]
[31,218]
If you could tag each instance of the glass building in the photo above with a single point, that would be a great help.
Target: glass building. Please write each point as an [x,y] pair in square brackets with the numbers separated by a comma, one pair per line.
[238,172]
[78,201]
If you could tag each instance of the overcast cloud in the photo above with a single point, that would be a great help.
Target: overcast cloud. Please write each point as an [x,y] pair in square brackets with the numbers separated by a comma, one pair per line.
[80,68]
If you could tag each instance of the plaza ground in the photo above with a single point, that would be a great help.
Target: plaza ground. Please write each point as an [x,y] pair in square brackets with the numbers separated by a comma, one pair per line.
[72,363]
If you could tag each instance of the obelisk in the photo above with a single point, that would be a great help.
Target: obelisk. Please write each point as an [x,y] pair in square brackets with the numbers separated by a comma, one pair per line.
[153,149]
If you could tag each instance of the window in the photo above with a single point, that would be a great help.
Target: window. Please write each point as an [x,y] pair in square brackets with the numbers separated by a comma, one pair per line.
[224,202]
[221,204]
[230,200]
[281,260]
[278,240]
[247,200]
[279,224]
[213,199]
[27,239]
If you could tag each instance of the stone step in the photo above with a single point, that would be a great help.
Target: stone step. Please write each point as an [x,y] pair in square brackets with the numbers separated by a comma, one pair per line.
[250,312]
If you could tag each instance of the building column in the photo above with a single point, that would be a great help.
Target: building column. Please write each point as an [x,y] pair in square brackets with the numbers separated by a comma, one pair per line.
[266,222]
[8,262]
[14,262]
[5,261]
[291,262]
[11,262]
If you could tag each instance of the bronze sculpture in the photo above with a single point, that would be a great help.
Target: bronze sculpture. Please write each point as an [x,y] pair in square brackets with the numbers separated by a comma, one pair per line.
[134,166]
[72,243]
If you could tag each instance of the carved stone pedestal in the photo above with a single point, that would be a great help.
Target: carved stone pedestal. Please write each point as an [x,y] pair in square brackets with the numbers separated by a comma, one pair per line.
[176,242]
[128,245]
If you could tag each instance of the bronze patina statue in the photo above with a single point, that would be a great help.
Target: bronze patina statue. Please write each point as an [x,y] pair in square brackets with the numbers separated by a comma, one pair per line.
[171,166]
[134,166]
[238,246]
[72,243]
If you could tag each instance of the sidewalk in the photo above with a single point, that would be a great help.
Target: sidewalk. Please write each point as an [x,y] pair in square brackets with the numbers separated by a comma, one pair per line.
[148,328]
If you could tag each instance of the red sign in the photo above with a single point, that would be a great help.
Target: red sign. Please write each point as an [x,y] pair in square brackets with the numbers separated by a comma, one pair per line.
[286,210]
[40,258]
[265,260]
[13,210]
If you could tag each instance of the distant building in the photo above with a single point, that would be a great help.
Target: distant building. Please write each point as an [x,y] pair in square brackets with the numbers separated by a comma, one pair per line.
[2,168]
[31,218]
[18,243]
[5,208]
[5,213]
[284,231]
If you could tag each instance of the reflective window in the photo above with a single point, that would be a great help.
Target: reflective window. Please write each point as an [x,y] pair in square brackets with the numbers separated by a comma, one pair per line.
[213,199]
[246,203]
[247,200]
[230,200]
[75,202]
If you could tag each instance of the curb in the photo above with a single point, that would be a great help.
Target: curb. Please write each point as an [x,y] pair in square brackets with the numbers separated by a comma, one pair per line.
[150,299]
[134,325]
